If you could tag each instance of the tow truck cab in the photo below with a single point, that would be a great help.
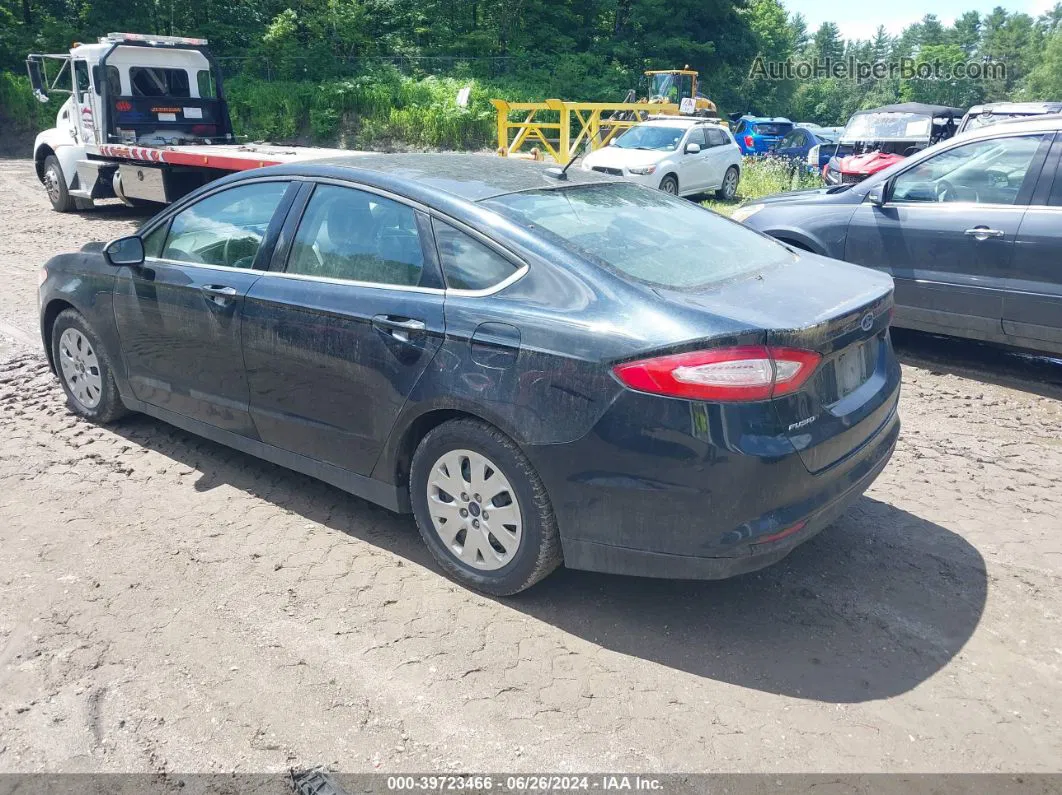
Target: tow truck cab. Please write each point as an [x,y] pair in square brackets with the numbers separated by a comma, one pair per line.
[129,90]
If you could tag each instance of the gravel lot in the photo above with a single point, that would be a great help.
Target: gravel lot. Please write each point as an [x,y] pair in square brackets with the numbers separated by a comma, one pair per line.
[171,605]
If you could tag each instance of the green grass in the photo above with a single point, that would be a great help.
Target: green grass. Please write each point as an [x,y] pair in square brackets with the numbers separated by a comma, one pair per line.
[762,176]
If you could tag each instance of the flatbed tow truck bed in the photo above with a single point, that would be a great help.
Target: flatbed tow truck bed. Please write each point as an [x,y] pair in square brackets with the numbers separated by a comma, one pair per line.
[224,157]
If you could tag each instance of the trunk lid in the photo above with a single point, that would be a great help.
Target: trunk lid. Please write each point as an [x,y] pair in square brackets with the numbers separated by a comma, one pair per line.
[841,312]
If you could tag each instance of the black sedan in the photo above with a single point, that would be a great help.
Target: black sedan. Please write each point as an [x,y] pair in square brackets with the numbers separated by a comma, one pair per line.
[543,368]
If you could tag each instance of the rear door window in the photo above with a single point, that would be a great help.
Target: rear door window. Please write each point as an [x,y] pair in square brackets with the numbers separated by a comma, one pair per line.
[467,263]
[358,236]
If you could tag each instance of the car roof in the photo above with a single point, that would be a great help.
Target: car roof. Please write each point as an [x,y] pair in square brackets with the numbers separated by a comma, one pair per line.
[472,177]
[1051,122]
[1015,107]
[765,119]
[670,121]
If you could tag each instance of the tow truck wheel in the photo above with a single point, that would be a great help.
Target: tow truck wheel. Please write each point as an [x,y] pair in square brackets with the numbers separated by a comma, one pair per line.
[55,185]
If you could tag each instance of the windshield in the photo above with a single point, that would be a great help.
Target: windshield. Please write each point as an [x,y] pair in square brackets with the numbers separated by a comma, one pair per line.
[669,87]
[887,127]
[644,233]
[651,137]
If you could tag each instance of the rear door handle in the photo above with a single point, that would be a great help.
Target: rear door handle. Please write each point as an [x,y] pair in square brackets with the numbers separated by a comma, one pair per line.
[218,294]
[983,233]
[398,327]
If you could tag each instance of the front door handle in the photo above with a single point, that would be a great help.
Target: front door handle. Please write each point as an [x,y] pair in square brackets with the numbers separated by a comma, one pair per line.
[398,327]
[983,233]
[218,294]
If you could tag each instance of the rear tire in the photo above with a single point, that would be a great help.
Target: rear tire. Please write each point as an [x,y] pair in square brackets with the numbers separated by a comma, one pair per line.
[84,370]
[669,184]
[461,472]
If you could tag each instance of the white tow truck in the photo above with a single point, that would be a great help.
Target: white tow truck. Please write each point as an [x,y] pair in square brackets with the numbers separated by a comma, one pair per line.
[146,121]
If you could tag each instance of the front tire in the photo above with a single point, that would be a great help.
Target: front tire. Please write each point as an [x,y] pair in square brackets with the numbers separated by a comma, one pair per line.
[84,369]
[55,186]
[669,184]
[728,190]
[482,510]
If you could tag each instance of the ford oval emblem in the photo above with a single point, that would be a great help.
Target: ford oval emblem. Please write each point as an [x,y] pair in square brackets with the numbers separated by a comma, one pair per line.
[867,323]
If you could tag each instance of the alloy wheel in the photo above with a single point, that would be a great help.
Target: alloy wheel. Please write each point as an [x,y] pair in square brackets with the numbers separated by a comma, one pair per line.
[81,368]
[474,510]
[730,181]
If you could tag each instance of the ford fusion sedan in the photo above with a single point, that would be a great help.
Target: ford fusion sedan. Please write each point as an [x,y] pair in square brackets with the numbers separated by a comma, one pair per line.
[542,370]
[969,230]
[681,156]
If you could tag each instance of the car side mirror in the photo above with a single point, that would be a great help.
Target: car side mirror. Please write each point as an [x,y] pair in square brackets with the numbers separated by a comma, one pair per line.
[692,148]
[876,195]
[125,251]
[611,141]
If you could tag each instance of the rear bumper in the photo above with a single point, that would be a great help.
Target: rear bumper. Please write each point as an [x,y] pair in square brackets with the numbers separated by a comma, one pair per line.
[695,503]
[593,556]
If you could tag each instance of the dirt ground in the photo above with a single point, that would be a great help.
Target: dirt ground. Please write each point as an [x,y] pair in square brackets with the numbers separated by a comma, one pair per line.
[171,605]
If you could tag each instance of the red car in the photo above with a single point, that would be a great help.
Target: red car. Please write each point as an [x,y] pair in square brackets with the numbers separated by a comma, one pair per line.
[875,139]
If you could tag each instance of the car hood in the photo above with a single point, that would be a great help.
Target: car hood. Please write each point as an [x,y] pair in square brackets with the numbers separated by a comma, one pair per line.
[841,194]
[870,163]
[616,157]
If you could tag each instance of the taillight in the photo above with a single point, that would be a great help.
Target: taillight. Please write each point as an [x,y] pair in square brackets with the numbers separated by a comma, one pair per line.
[749,141]
[751,372]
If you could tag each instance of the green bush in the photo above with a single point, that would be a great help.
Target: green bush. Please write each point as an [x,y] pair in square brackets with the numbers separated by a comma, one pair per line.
[19,109]
[762,176]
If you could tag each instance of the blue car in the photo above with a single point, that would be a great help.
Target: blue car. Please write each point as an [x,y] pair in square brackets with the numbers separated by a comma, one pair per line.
[804,141]
[542,368]
[758,135]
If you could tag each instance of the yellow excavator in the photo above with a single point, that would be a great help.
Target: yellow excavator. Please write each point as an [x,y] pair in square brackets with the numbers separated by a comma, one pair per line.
[676,91]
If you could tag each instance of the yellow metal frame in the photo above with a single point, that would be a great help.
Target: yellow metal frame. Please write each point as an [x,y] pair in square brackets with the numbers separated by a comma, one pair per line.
[555,134]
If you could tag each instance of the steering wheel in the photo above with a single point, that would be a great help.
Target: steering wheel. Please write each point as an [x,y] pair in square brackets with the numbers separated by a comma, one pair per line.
[946,192]
[997,178]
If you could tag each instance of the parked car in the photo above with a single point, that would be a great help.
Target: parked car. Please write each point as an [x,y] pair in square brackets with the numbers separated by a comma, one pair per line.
[682,156]
[968,229]
[877,138]
[540,369]
[803,145]
[995,112]
[758,135]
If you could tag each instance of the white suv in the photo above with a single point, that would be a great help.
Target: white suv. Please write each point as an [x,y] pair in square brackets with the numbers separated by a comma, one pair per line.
[679,155]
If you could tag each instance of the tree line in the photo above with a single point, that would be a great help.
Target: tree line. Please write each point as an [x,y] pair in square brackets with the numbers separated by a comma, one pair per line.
[576,49]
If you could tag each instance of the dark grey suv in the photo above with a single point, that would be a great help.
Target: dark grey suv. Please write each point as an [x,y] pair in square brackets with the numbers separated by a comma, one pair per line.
[969,229]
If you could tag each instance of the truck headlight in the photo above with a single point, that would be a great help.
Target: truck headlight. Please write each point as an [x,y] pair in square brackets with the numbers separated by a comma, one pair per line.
[641,170]
[746,211]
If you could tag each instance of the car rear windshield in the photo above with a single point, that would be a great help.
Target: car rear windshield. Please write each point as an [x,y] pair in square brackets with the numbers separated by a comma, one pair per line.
[773,128]
[644,233]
